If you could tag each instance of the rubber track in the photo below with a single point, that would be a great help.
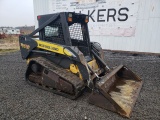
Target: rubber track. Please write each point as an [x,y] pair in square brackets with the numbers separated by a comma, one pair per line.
[77,83]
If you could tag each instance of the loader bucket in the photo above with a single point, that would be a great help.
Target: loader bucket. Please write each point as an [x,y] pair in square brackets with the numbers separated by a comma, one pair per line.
[117,91]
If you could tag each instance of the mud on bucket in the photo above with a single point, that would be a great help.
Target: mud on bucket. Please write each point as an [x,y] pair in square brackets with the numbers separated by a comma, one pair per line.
[117,91]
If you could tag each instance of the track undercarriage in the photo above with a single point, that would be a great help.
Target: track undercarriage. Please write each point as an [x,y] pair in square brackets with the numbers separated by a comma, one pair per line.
[48,76]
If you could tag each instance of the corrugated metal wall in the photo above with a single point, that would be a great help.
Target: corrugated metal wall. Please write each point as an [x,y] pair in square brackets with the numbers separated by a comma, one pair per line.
[147,35]
[40,7]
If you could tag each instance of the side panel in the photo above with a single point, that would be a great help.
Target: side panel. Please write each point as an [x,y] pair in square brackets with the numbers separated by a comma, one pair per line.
[26,45]
[52,47]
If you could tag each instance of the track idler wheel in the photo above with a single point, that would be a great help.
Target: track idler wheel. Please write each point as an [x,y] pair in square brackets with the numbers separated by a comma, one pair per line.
[35,68]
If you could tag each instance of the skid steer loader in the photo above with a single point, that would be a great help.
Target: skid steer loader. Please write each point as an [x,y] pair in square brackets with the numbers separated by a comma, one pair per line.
[62,59]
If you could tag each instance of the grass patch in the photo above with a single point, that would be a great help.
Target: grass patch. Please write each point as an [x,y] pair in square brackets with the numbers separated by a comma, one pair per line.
[9,44]
[5,51]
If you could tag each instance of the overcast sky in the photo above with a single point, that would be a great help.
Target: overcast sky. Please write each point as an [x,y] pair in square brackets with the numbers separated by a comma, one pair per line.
[16,13]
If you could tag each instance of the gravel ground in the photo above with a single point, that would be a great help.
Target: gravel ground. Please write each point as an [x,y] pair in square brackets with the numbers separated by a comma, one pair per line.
[18,100]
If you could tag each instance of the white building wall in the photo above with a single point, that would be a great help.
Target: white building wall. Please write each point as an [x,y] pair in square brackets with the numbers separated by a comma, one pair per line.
[40,7]
[147,34]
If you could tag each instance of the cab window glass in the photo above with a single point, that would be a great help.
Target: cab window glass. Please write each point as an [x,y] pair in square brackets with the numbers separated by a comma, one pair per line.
[51,31]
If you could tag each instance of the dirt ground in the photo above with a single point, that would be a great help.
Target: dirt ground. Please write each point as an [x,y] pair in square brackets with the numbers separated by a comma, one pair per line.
[18,100]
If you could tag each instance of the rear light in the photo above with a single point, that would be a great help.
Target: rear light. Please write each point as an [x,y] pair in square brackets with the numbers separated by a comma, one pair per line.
[39,17]
[69,17]
[87,19]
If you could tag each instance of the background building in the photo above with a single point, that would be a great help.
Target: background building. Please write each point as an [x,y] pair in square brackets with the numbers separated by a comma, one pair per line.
[26,29]
[121,25]
[9,31]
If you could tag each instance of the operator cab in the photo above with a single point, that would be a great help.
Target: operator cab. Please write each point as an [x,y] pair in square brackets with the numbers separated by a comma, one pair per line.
[68,29]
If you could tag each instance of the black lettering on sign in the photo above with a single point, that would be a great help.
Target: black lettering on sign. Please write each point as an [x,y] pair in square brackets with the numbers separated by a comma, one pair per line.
[90,15]
[123,14]
[113,15]
[100,15]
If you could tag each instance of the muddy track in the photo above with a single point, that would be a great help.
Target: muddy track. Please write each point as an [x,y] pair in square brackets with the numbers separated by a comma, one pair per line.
[18,100]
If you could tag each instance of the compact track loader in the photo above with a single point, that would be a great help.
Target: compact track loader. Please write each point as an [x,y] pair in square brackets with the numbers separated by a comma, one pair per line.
[62,59]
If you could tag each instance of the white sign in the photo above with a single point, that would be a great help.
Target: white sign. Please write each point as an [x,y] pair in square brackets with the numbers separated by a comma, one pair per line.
[106,17]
